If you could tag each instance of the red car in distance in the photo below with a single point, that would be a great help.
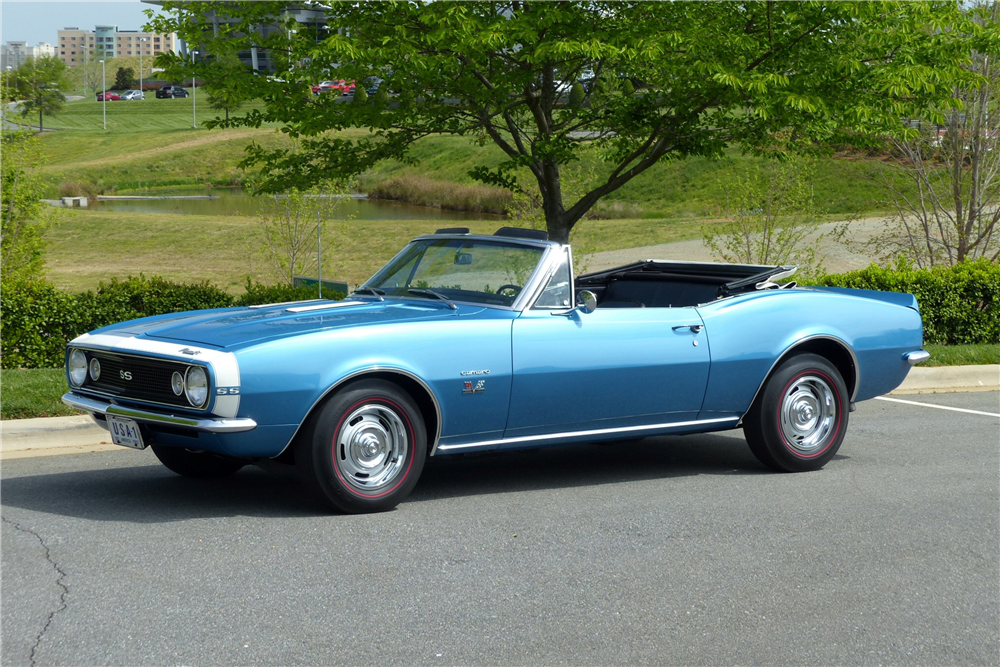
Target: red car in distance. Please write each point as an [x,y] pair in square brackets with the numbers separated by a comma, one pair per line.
[108,95]
[339,86]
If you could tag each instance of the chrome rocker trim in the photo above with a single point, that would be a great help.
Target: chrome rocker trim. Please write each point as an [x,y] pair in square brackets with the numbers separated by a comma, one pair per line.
[95,406]
[579,434]
[914,358]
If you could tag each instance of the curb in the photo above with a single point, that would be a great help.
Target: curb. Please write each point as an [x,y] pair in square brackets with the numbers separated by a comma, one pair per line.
[78,434]
[950,379]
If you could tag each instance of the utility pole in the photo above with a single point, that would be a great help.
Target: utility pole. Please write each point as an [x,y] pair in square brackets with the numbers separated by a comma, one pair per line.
[104,96]
[142,95]
[194,94]
[319,251]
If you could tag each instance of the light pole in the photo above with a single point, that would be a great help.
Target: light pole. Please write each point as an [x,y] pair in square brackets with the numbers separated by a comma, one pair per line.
[194,94]
[104,96]
[9,100]
[142,95]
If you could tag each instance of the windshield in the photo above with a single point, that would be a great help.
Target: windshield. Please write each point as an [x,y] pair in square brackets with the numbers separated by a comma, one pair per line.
[486,272]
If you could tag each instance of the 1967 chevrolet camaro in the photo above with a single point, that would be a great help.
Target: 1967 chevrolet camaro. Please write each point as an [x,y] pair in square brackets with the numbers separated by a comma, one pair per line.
[466,343]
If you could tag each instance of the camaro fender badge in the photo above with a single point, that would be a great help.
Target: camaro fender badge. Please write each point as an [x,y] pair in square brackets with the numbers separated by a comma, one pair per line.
[188,350]
[478,387]
[464,373]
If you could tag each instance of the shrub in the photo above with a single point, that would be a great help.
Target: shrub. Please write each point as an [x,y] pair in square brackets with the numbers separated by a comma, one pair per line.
[39,320]
[959,304]
[443,194]
[257,294]
[576,95]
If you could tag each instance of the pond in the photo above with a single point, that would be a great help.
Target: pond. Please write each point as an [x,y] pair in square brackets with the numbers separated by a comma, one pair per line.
[238,202]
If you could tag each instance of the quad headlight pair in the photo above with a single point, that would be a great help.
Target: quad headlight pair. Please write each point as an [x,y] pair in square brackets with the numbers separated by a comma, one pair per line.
[192,384]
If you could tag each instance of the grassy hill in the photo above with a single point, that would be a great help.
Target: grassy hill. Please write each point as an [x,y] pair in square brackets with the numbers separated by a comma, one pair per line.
[150,144]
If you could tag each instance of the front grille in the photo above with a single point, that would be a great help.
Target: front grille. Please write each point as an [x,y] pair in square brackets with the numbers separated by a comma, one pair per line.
[150,378]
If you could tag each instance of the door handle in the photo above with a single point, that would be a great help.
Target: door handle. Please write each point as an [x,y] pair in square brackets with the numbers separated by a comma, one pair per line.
[695,328]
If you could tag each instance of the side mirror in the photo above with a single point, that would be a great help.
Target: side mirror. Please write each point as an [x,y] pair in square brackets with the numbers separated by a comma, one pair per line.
[586,301]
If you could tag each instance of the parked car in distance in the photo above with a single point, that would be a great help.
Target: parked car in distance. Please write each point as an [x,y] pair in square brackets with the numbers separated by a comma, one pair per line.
[471,343]
[171,91]
[324,87]
[108,95]
[133,95]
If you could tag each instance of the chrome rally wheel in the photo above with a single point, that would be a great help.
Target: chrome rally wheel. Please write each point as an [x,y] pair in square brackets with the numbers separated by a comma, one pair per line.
[364,448]
[808,415]
[371,447]
[799,419]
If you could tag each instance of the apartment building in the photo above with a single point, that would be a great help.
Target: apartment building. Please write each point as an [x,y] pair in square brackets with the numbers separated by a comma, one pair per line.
[12,54]
[75,46]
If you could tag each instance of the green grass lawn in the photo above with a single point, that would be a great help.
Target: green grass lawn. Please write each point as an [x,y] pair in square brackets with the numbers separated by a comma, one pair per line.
[90,246]
[145,115]
[150,144]
[33,392]
[962,355]
[36,392]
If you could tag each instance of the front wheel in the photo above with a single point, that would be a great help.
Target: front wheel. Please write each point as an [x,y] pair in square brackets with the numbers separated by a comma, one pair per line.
[799,419]
[191,463]
[365,448]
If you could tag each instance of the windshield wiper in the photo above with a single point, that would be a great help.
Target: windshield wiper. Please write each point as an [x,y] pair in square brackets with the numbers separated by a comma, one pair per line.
[433,294]
[377,293]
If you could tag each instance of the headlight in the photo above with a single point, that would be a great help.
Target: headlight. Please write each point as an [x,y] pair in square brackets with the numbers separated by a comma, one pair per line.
[95,369]
[177,383]
[77,367]
[196,386]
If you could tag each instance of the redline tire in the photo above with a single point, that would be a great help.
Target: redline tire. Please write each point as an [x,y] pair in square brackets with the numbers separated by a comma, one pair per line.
[799,419]
[200,465]
[364,449]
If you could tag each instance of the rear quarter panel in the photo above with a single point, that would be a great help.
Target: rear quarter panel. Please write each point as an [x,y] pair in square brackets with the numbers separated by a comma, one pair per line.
[748,334]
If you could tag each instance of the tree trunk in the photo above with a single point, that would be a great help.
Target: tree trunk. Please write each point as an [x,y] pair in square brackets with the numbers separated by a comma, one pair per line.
[39,121]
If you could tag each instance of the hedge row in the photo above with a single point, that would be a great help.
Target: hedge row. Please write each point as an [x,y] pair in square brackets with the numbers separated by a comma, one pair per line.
[959,304]
[38,319]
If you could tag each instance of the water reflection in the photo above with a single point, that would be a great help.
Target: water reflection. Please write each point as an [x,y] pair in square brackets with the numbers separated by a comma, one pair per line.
[237,202]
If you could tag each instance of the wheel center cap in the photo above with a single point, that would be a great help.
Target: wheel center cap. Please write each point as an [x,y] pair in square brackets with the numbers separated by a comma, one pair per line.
[369,445]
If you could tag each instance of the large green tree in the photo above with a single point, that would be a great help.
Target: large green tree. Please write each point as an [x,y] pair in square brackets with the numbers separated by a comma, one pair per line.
[38,84]
[764,76]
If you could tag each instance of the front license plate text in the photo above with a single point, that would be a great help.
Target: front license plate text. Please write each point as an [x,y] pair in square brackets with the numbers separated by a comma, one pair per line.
[125,432]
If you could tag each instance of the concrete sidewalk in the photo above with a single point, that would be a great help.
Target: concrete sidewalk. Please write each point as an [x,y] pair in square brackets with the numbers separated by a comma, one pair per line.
[48,436]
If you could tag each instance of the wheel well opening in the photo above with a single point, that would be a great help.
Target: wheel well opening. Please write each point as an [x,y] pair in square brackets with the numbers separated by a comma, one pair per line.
[420,395]
[836,354]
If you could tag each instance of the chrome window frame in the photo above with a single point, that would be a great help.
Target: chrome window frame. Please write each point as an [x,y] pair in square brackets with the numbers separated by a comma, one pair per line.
[550,270]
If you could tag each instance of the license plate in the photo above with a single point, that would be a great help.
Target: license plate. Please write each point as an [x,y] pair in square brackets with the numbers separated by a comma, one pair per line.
[125,432]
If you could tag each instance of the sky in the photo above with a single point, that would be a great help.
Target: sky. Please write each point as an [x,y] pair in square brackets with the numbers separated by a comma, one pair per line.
[39,20]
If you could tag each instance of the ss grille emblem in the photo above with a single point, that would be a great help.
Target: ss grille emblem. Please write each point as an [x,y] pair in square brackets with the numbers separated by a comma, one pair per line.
[125,375]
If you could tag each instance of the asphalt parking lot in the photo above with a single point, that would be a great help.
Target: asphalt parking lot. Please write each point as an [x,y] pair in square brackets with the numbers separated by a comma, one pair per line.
[673,550]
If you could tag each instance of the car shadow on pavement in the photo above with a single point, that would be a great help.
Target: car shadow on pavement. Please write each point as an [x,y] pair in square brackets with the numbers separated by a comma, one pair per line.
[586,465]
[152,494]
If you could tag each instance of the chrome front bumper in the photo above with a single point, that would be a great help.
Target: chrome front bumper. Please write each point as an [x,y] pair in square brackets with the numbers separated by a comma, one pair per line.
[914,358]
[210,425]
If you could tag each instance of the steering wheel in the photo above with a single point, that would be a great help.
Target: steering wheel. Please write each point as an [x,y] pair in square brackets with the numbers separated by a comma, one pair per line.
[517,289]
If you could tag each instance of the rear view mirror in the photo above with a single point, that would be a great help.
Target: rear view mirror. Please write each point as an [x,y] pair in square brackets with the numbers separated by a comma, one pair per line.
[463,258]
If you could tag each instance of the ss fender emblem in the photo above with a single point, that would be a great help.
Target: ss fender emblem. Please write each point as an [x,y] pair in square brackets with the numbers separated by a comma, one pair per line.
[125,375]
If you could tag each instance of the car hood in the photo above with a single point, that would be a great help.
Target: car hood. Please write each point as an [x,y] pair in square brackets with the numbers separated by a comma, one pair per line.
[242,326]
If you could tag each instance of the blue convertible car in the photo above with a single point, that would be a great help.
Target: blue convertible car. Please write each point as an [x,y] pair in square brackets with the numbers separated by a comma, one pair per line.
[467,343]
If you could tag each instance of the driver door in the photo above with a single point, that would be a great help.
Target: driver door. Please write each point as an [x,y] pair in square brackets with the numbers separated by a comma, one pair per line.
[613,368]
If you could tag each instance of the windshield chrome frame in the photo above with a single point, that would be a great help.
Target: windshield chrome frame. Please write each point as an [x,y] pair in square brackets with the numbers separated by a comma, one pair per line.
[546,265]
[554,257]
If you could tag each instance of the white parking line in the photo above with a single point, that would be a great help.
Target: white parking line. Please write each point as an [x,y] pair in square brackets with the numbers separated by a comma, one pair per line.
[939,407]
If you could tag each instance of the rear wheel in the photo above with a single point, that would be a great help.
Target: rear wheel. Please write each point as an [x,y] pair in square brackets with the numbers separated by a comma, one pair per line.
[190,463]
[799,418]
[365,448]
